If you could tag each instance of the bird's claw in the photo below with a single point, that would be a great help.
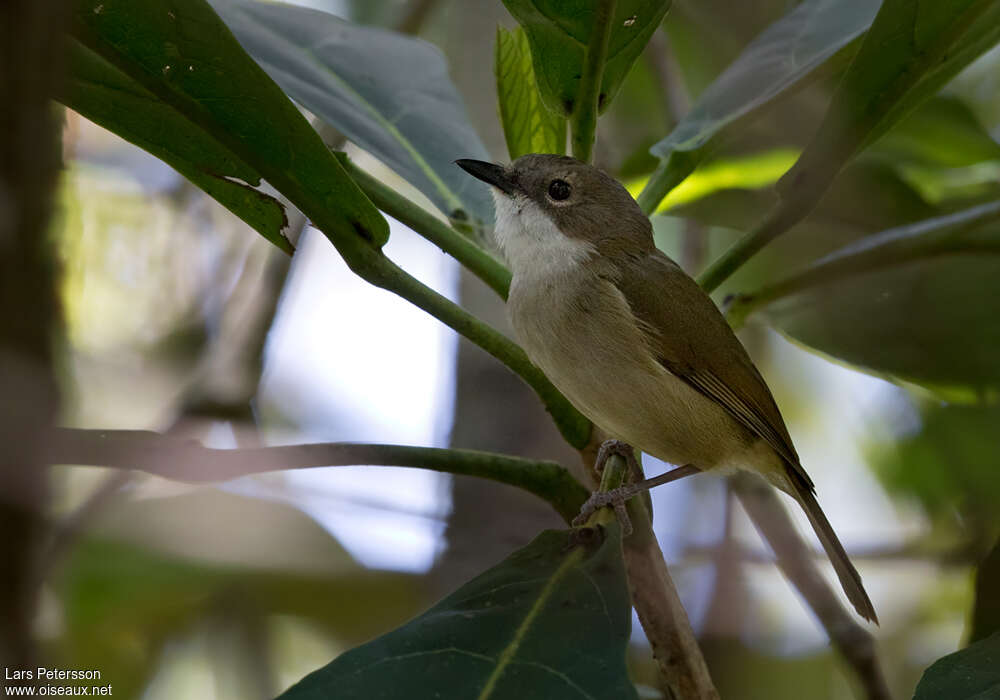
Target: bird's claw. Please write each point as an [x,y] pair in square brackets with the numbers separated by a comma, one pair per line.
[615,498]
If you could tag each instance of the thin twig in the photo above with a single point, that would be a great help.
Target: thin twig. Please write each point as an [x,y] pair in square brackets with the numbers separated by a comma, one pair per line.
[794,557]
[189,460]
[583,120]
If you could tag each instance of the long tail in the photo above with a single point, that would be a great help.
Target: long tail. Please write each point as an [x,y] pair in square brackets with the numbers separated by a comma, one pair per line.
[848,575]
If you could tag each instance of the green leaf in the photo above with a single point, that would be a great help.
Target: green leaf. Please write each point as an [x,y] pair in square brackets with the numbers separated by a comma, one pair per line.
[942,132]
[911,50]
[181,52]
[947,466]
[970,674]
[153,571]
[503,634]
[782,57]
[559,32]
[386,92]
[108,97]
[778,59]
[921,302]
[528,125]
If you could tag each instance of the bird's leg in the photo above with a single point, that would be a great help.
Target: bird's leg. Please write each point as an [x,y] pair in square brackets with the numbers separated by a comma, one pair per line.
[617,497]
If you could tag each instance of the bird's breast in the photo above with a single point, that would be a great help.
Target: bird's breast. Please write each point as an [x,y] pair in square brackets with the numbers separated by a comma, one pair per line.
[580,331]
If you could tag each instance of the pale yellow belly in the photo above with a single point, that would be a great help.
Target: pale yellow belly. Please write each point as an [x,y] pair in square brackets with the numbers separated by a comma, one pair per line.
[601,364]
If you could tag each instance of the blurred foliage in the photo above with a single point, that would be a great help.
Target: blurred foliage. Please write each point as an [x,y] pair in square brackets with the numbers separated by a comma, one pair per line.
[140,582]
[151,574]
[950,466]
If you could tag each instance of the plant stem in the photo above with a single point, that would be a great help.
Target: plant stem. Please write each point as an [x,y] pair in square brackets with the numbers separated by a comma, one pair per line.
[681,665]
[588,99]
[937,236]
[386,274]
[463,249]
[783,217]
[183,459]
[666,177]
[794,557]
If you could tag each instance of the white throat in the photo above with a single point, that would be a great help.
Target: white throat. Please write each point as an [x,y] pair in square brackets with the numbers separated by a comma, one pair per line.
[532,243]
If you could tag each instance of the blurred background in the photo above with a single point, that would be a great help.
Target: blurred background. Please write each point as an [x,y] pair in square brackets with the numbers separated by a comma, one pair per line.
[181,319]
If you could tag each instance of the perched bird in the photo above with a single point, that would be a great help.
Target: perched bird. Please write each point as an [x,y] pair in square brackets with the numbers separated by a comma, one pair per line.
[632,341]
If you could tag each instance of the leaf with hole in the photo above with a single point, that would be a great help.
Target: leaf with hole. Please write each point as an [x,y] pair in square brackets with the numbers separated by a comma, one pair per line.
[559,32]
[181,52]
[493,637]
[106,96]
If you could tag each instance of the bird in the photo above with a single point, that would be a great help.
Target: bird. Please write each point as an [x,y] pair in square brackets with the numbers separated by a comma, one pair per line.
[632,341]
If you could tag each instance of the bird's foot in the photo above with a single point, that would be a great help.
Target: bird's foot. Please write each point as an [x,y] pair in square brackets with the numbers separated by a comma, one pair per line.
[619,496]
[614,497]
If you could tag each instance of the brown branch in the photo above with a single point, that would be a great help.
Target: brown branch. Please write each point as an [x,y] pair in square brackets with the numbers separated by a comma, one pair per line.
[795,559]
[681,665]
[31,64]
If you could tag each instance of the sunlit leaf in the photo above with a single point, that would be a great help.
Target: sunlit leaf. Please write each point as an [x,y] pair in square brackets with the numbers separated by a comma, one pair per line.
[108,97]
[493,637]
[388,93]
[753,171]
[181,52]
[528,125]
[970,674]
[559,32]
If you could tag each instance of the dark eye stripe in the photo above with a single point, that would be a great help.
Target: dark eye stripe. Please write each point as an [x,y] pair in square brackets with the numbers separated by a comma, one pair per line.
[559,190]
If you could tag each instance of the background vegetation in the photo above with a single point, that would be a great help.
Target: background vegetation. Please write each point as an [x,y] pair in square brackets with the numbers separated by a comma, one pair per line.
[828,169]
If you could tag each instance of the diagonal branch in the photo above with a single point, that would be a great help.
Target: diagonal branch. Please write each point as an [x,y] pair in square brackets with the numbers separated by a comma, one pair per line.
[794,557]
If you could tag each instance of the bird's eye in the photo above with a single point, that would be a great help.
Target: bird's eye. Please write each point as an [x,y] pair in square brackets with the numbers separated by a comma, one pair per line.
[559,190]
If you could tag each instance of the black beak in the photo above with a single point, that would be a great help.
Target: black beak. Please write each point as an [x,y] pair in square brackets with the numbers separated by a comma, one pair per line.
[490,173]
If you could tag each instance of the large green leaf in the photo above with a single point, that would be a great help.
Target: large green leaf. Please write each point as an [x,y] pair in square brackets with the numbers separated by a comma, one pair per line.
[559,31]
[388,93]
[970,674]
[785,53]
[181,52]
[528,125]
[921,302]
[108,97]
[504,634]
[780,59]
[911,50]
